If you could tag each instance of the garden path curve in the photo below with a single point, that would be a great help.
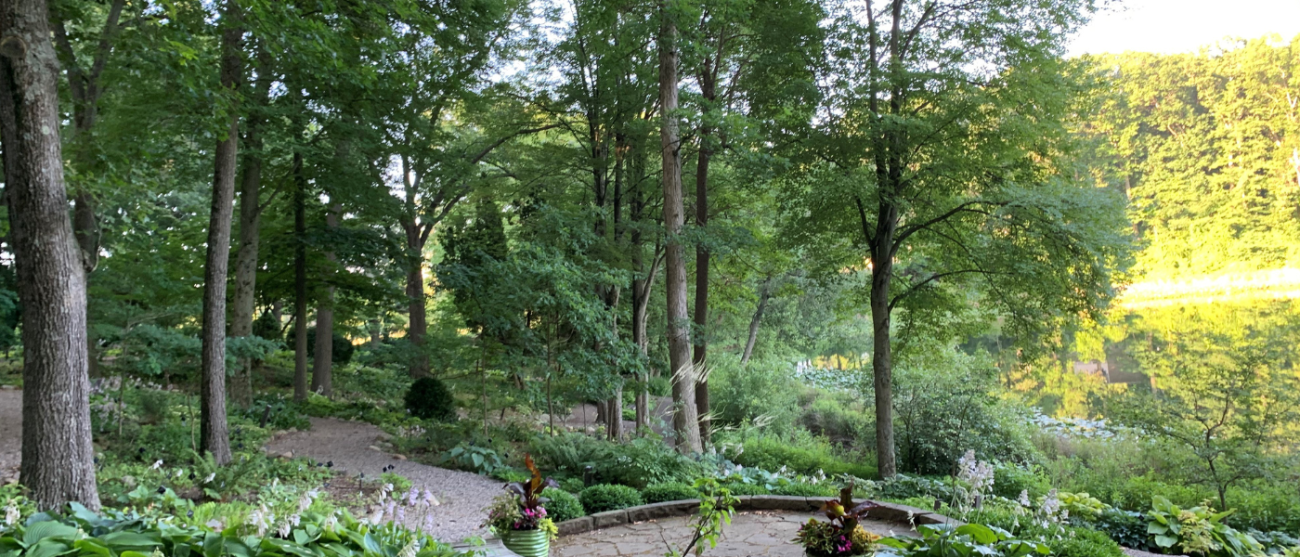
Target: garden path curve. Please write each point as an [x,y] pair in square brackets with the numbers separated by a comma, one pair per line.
[353,447]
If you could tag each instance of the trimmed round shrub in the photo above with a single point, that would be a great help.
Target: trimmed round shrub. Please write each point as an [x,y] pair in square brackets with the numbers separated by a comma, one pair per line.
[429,399]
[806,490]
[668,491]
[572,485]
[562,505]
[609,497]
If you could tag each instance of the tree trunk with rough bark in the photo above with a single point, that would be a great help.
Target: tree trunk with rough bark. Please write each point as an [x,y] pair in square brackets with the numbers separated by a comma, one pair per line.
[765,292]
[57,455]
[299,280]
[700,358]
[322,370]
[214,437]
[244,299]
[417,327]
[685,418]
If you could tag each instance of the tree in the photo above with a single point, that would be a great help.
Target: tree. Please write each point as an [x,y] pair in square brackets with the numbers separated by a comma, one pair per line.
[685,417]
[924,156]
[57,455]
[214,437]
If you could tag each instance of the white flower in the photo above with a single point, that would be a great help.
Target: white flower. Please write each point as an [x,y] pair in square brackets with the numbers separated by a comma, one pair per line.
[1024,498]
[156,465]
[210,477]
[179,472]
[285,529]
[11,514]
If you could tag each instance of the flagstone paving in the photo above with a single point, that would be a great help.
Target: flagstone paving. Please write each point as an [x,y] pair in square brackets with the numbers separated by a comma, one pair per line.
[751,533]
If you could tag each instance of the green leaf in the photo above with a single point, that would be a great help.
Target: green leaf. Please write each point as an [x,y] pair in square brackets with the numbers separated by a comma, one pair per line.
[981,534]
[132,540]
[1154,528]
[1166,541]
[92,546]
[49,529]
[49,548]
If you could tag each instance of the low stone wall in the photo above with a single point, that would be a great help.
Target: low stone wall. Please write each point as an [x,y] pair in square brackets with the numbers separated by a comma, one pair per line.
[887,512]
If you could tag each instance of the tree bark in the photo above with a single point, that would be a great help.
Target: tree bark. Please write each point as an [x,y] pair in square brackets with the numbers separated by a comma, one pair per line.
[418,324]
[244,300]
[702,275]
[322,371]
[57,455]
[214,438]
[764,293]
[685,417]
[299,280]
[640,290]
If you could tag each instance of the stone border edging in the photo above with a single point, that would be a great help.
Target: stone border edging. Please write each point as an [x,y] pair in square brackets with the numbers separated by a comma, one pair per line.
[888,512]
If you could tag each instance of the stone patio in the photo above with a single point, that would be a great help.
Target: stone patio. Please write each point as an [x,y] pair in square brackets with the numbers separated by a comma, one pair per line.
[750,533]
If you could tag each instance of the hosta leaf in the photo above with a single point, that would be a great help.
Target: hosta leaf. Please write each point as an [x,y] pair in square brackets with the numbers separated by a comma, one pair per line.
[1166,541]
[49,548]
[48,529]
[981,534]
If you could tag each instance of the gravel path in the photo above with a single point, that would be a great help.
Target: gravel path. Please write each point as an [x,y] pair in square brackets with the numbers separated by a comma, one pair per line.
[11,434]
[352,446]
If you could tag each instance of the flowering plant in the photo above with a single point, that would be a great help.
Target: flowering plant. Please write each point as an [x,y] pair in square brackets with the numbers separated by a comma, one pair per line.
[841,535]
[521,508]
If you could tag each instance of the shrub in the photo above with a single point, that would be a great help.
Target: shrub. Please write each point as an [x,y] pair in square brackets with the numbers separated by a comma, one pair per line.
[1265,507]
[841,420]
[659,386]
[429,399]
[636,463]
[939,415]
[805,490]
[808,455]
[668,491]
[1127,528]
[741,488]
[341,348]
[765,388]
[1010,479]
[572,485]
[609,497]
[562,505]
[1083,542]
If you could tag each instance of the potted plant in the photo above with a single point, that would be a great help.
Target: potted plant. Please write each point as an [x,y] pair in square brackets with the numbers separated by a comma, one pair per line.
[519,518]
[841,535]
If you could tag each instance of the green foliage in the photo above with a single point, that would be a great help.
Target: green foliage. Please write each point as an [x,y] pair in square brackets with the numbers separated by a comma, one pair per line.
[83,533]
[799,489]
[609,497]
[941,413]
[1127,528]
[805,455]
[430,399]
[962,541]
[341,347]
[764,390]
[399,482]
[472,458]
[1197,531]
[636,463]
[659,386]
[1010,480]
[668,491]
[716,509]
[562,505]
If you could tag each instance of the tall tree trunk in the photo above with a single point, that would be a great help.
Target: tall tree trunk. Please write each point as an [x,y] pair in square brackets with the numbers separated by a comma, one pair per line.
[764,293]
[702,275]
[85,90]
[299,280]
[57,455]
[244,300]
[685,417]
[213,435]
[640,290]
[882,266]
[322,371]
[418,323]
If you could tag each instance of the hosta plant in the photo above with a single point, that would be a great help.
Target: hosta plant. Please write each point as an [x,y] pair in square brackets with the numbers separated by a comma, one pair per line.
[969,540]
[1198,531]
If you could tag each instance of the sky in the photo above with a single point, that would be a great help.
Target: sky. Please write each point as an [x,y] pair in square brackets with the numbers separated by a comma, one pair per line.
[1171,26]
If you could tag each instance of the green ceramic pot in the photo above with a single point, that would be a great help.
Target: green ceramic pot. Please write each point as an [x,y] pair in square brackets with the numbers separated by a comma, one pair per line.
[527,543]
